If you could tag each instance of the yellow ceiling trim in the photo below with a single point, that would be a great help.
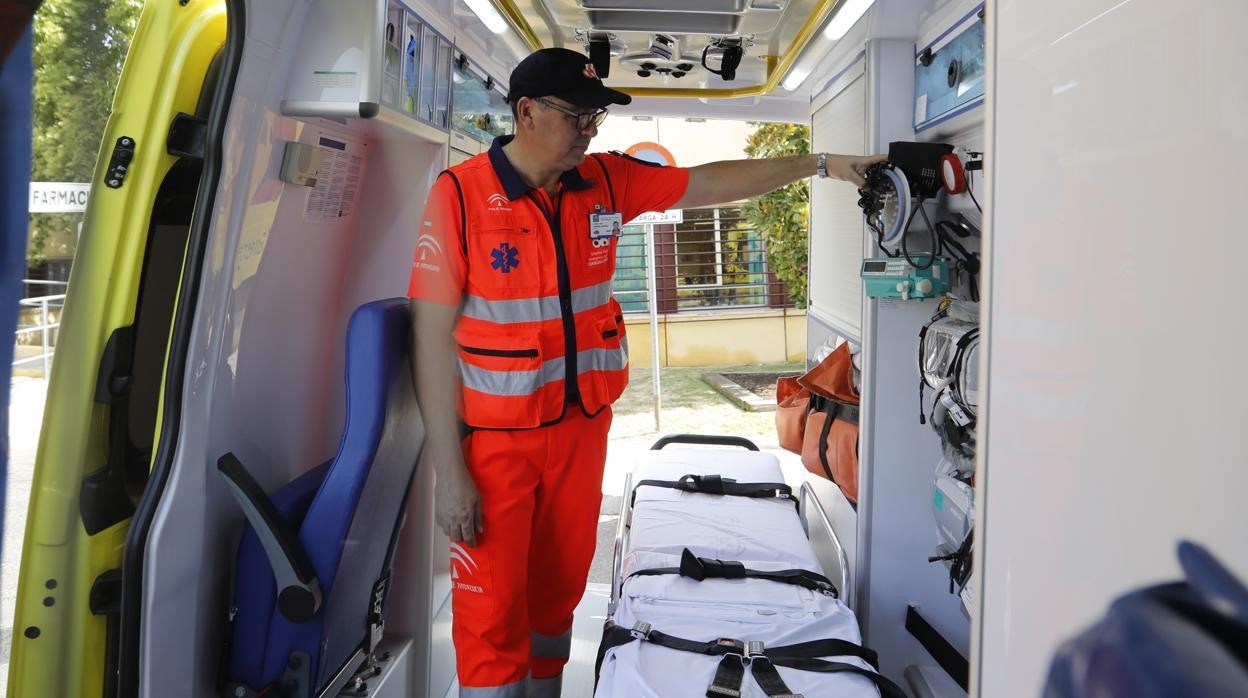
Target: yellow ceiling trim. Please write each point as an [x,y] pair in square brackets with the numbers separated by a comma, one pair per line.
[776,68]
[519,24]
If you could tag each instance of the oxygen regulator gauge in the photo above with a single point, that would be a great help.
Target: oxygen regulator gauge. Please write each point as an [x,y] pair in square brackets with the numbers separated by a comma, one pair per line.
[885,202]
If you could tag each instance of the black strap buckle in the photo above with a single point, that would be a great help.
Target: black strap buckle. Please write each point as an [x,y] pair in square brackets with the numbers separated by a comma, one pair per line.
[705,484]
[700,568]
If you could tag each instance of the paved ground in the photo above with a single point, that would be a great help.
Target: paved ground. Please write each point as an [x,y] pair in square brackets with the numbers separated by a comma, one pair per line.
[25,416]
[689,406]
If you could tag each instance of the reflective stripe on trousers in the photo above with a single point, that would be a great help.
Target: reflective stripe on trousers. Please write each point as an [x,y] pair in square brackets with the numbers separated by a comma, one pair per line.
[528,688]
[516,689]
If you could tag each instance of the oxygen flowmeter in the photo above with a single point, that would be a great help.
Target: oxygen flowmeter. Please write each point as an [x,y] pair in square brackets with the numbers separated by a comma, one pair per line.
[898,278]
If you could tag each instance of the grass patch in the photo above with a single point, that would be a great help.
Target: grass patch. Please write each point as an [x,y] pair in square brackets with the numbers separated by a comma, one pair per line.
[691,406]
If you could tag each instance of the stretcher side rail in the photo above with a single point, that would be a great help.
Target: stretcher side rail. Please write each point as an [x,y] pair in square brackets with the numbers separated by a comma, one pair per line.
[806,497]
[621,541]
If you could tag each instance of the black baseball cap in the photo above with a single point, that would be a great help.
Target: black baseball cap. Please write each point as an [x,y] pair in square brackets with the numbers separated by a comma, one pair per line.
[562,73]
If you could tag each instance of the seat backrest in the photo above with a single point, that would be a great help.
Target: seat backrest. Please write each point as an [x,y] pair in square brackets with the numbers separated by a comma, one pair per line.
[356,512]
[351,526]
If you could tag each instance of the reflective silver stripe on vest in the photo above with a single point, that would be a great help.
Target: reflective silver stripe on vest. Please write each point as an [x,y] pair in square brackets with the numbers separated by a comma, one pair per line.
[534,309]
[511,383]
[516,689]
[521,383]
[602,359]
[551,647]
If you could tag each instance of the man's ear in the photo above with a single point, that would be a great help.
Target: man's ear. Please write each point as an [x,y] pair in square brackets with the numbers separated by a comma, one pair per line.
[524,110]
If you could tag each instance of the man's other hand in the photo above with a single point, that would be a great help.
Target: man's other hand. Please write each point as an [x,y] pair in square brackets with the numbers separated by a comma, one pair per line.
[456,502]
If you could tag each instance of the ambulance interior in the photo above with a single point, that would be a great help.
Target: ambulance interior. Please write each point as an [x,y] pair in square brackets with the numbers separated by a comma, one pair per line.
[376,97]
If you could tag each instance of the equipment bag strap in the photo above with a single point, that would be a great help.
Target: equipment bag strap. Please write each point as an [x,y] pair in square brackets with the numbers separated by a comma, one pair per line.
[715,484]
[832,410]
[804,656]
[700,568]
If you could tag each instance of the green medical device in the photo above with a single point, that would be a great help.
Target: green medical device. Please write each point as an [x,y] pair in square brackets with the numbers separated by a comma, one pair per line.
[898,278]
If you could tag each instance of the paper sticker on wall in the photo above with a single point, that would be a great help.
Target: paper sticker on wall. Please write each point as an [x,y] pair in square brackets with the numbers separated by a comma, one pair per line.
[337,181]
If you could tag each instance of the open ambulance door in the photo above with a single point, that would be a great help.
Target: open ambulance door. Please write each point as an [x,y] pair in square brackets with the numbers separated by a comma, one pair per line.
[111,421]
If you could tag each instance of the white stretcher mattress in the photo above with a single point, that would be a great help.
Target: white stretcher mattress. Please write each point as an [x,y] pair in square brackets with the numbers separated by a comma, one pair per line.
[763,534]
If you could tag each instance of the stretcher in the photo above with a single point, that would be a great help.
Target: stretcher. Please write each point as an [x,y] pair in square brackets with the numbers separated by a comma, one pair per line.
[716,590]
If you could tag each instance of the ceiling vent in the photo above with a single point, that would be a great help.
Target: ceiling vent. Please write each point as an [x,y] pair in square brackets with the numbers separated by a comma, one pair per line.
[731,7]
[665,22]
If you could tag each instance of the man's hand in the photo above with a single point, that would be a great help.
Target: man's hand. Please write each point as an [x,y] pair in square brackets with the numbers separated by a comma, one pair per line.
[456,502]
[851,168]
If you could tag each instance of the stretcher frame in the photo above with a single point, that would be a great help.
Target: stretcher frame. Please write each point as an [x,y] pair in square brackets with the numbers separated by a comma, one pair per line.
[808,507]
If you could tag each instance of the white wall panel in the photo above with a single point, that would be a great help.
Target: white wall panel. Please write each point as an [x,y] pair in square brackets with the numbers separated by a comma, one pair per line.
[835,292]
[1115,415]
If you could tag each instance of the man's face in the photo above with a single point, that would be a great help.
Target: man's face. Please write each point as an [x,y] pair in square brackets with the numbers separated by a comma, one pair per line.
[556,131]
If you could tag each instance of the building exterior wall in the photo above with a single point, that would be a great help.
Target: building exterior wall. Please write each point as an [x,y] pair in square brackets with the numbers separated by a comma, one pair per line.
[720,338]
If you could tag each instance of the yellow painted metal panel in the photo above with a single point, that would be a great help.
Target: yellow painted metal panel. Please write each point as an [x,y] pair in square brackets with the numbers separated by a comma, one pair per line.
[58,645]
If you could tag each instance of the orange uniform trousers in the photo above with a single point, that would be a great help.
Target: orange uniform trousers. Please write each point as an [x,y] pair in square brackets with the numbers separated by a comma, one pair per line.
[513,594]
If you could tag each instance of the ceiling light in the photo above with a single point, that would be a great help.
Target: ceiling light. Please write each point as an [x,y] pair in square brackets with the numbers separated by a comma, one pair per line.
[484,10]
[847,15]
[795,79]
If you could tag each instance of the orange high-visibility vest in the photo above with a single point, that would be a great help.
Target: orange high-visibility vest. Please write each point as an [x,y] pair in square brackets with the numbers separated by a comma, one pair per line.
[539,331]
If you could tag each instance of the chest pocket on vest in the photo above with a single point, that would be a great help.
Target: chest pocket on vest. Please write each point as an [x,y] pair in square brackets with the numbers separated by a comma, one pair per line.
[505,255]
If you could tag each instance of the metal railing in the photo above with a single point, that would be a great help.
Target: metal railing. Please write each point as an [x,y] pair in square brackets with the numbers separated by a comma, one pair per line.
[715,259]
[45,327]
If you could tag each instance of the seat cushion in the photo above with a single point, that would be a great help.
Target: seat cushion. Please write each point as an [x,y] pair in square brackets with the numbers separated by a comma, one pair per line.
[255,590]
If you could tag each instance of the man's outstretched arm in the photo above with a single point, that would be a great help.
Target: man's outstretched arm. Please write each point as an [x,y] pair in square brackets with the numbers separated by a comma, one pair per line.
[733,180]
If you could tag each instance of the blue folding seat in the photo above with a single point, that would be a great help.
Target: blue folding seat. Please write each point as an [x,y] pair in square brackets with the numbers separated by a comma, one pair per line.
[315,558]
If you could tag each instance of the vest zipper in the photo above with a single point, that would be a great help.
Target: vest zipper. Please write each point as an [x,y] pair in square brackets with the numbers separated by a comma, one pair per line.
[571,390]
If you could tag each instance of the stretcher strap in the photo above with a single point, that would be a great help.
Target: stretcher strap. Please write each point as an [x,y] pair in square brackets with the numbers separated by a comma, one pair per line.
[715,484]
[804,656]
[700,568]
[768,679]
[730,674]
[728,677]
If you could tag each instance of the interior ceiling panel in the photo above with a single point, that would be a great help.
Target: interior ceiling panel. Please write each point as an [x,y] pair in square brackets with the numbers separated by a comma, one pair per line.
[657,46]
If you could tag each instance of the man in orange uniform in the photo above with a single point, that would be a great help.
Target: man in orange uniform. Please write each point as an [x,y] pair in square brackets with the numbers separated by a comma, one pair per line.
[513,315]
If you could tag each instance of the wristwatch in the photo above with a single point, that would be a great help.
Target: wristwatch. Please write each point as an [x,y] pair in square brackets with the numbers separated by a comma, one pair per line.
[821,164]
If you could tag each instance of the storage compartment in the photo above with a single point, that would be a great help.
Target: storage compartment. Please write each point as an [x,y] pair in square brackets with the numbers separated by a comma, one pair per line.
[949,73]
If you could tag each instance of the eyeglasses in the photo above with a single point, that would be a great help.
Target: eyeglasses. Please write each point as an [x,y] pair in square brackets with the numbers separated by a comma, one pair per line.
[583,119]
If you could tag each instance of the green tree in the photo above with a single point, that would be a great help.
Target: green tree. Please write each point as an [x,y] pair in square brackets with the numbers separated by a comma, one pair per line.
[80,46]
[781,217]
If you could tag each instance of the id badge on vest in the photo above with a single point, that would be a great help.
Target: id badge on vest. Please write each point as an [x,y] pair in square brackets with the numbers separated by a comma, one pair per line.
[604,226]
